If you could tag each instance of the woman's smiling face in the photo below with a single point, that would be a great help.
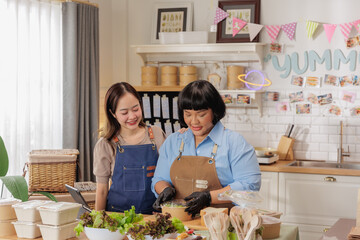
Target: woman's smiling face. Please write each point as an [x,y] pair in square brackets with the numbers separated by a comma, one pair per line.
[199,121]
[128,111]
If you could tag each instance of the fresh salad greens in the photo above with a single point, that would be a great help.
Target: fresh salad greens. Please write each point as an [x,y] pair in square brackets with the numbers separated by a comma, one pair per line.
[171,204]
[158,228]
[113,221]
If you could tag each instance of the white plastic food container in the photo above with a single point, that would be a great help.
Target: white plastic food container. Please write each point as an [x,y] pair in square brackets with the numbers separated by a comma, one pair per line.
[6,228]
[6,210]
[193,37]
[26,229]
[59,213]
[61,232]
[27,212]
[102,233]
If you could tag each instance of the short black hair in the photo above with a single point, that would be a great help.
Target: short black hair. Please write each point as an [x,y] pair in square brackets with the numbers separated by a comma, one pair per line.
[200,95]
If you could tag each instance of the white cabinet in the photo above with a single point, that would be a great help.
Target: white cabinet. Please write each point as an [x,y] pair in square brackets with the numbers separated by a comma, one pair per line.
[269,190]
[315,201]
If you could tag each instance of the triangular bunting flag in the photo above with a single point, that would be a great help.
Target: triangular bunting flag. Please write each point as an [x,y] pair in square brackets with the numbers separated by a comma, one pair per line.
[220,15]
[346,29]
[254,30]
[329,30]
[356,24]
[289,29]
[311,27]
[273,31]
[237,25]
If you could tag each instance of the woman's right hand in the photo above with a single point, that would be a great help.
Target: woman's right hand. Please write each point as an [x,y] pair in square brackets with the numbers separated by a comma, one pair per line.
[166,195]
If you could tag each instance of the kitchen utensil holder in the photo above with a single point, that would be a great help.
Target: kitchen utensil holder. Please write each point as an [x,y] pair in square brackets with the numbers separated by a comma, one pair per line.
[285,148]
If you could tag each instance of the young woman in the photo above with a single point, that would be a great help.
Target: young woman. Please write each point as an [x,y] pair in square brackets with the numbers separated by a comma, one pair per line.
[207,159]
[127,154]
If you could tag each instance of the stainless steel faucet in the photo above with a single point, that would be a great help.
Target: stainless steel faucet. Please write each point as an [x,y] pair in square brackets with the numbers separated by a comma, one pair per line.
[340,151]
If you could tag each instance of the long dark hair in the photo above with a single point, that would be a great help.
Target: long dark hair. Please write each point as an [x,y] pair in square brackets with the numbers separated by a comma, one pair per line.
[199,95]
[115,92]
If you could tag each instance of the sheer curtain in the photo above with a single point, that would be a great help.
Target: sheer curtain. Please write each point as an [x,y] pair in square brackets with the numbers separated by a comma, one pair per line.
[30,78]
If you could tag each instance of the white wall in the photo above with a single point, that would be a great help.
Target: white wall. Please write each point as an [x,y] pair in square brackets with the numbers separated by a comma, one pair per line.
[129,22]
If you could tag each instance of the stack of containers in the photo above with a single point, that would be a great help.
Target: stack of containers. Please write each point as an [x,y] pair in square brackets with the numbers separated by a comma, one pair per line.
[7,215]
[169,75]
[232,77]
[149,76]
[28,217]
[187,74]
[59,220]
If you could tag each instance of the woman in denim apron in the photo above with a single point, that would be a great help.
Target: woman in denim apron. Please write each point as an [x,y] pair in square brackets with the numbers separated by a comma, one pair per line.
[132,144]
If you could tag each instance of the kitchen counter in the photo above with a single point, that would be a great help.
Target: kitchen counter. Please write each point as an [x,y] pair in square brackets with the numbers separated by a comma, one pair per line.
[281,166]
[340,229]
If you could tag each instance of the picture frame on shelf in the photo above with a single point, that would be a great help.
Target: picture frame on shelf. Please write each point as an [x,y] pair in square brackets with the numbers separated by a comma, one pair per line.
[171,17]
[247,10]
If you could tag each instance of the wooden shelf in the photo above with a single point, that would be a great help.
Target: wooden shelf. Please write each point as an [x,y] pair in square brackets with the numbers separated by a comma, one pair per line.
[158,88]
[219,52]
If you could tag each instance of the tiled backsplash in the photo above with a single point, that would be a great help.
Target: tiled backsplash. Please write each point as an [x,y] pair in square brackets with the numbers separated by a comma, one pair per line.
[316,134]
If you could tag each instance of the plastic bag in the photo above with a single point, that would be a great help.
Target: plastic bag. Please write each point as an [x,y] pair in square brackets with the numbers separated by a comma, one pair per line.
[244,199]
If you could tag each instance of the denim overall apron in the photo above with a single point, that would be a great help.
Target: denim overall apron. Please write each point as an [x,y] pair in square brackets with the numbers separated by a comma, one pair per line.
[131,180]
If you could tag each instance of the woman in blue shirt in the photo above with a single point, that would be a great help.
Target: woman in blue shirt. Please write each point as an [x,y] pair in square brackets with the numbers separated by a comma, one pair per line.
[207,159]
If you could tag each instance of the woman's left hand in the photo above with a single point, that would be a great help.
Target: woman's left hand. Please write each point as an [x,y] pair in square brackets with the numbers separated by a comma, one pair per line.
[182,130]
[197,201]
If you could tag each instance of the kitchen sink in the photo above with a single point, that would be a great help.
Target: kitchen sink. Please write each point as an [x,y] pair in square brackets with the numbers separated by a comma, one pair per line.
[317,164]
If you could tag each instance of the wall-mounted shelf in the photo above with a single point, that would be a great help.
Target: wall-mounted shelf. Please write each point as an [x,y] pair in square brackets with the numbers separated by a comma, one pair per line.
[226,52]
[255,96]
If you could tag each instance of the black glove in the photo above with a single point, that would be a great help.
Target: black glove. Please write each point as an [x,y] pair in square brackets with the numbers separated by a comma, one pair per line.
[197,201]
[166,195]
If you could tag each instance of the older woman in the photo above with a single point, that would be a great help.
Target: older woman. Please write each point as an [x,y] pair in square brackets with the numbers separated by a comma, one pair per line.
[206,160]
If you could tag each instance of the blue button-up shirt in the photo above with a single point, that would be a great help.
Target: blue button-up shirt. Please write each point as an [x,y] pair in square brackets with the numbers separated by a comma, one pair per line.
[235,161]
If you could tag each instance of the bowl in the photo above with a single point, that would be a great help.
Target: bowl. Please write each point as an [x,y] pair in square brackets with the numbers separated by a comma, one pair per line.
[265,152]
[176,208]
[102,233]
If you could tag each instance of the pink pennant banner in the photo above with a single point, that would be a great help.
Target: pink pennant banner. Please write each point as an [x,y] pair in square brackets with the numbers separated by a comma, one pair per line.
[329,30]
[273,31]
[346,29]
[237,25]
[220,15]
[356,24]
[289,29]
[254,30]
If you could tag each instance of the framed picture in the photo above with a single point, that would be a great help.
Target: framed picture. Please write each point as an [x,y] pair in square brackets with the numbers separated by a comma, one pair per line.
[247,10]
[171,17]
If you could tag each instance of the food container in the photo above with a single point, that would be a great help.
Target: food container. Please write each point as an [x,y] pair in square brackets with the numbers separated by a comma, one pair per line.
[26,229]
[265,152]
[232,77]
[271,227]
[187,74]
[59,213]
[61,232]
[177,209]
[102,233]
[27,211]
[269,213]
[6,210]
[50,170]
[6,228]
[149,76]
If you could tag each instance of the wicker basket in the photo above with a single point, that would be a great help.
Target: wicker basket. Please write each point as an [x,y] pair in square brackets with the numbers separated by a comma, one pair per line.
[50,170]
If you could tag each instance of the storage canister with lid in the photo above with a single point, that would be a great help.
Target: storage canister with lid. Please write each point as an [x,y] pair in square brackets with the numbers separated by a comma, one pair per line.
[169,75]
[233,72]
[187,74]
[149,76]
